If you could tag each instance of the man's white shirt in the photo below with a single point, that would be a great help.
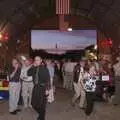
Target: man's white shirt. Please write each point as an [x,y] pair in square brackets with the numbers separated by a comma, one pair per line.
[24,75]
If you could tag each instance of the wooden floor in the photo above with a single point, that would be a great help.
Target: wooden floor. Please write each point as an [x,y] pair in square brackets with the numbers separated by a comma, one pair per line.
[61,109]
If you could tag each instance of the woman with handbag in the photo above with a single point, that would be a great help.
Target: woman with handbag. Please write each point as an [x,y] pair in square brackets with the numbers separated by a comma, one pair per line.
[41,80]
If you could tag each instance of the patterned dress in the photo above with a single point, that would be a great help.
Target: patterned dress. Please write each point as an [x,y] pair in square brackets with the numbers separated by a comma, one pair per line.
[89,83]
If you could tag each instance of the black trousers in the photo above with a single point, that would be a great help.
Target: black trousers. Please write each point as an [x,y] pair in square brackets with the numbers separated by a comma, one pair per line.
[41,111]
[39,102]
[90,97]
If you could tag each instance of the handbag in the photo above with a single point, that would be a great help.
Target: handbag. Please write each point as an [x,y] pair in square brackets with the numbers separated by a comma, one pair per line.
[50,97]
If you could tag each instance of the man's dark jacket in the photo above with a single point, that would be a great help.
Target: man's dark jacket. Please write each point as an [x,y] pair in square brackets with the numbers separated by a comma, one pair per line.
[43,75]
[39,91]
[76,73]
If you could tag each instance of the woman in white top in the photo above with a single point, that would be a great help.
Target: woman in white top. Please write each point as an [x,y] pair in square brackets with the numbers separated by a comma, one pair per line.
[90,87]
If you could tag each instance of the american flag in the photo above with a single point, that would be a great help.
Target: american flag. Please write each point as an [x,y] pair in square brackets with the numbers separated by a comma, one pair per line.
[63,7]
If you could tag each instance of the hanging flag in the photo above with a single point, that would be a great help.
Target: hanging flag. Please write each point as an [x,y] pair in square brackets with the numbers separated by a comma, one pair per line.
[63,7]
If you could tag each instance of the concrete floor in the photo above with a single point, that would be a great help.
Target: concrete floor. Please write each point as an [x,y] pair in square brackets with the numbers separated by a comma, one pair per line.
[62,110]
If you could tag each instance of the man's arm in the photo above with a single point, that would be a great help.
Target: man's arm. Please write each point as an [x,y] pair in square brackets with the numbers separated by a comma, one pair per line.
[31,71]
[48,85]
[22,75]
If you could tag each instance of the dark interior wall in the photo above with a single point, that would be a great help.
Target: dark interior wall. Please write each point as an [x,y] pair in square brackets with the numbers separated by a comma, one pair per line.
[20,15]
[74,22]
[105,12]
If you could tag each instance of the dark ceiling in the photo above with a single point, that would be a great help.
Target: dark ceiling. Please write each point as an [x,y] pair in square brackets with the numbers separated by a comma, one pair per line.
[20,15]
[105,12]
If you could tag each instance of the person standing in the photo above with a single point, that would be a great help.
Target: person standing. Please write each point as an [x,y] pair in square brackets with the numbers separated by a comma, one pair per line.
[57,71]
[64,75]
[116,67]
[51,72]
[41,80]
[90,87]
[78,88]
[27,84]
[68,77]
[14,86]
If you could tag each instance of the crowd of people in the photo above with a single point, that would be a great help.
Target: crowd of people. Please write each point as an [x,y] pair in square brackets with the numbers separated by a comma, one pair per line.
[86,76]
[92,80]
[35,81]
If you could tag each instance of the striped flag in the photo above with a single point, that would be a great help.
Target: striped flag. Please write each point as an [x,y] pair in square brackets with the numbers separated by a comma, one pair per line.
[63,7]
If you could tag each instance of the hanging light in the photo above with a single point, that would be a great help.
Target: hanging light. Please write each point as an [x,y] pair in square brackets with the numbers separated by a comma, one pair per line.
[69,29]
[110,42]
[23,57]
[6,36]
[95,47]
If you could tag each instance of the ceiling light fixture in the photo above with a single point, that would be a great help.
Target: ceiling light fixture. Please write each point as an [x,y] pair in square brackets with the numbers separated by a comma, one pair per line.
[69,29]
